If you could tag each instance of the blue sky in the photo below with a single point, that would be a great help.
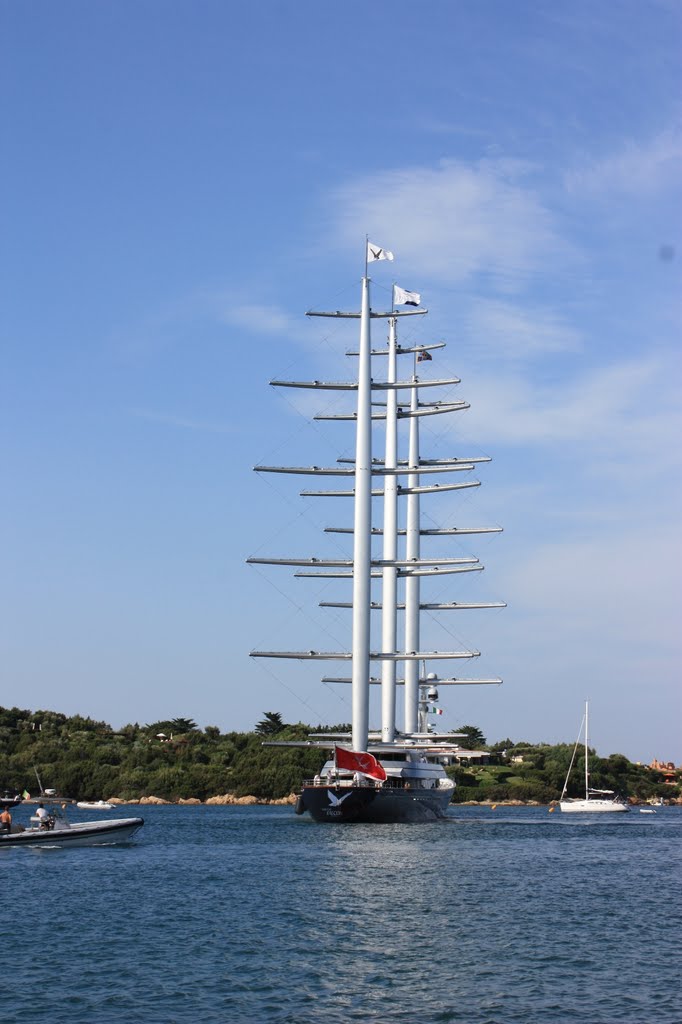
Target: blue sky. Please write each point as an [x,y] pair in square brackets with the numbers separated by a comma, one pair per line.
[181,181]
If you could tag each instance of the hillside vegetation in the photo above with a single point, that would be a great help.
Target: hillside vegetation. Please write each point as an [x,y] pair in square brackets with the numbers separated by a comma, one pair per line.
[173,759]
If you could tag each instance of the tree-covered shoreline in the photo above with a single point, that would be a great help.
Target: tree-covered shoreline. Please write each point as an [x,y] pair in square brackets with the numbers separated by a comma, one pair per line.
[175,760]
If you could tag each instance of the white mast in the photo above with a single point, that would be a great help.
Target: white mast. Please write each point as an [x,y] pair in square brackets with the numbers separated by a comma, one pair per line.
[362,533]
[362,569]
[390,550]
[587,770]
[412,581]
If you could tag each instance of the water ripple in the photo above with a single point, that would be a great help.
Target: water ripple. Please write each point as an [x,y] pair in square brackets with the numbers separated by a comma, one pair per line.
[241,915]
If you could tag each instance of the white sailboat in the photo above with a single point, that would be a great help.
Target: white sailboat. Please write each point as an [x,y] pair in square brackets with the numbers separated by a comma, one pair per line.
[596,801]
[387,775]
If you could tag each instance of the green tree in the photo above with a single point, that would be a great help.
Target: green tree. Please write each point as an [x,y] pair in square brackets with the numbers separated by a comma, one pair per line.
[271,724]
[474,737]
[182,725]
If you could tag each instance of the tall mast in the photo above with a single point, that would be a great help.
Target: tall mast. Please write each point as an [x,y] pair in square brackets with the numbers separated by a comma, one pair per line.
[390,572]
[412,581]
[362,530]
[587,770]
[362,568]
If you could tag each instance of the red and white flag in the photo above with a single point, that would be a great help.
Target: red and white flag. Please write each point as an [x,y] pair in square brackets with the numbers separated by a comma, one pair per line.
[359,761]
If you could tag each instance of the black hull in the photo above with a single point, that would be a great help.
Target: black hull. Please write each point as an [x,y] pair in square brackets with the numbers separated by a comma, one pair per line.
[8,802]
[364,804]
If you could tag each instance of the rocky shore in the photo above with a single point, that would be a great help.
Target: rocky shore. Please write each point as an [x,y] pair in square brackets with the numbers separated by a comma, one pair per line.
[229,800]
[226,800]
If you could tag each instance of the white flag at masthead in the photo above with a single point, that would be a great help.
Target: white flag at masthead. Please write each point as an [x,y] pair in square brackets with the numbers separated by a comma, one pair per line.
[374,252]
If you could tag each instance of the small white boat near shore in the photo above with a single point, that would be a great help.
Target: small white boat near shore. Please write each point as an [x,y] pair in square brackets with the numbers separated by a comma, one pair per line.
[596,801]
[94,805]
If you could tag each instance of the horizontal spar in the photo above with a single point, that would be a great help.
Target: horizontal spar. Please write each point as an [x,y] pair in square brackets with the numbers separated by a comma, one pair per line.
[449,606]
[402,468]
[438,743]
[402,414]
[306,470]
[446,607]
[373,681]
[401,385]
[348,385]
[426,489]
[337,314]
[376,470]
[374,655]
[378,563]
[377,574]
[452,462]
[401,350]
[451,531]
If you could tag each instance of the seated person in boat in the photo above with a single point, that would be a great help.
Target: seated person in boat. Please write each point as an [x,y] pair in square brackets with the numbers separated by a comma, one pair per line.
[45,820]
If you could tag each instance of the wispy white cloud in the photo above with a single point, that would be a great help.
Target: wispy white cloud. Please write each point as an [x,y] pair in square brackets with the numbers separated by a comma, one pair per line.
[454,221]
[439,126]
[161,327]
[641,168]
[628,412]
[258,318]
[603,609]
[512,332]
[597,585]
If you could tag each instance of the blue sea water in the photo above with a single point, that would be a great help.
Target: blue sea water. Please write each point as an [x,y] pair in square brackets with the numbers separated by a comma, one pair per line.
[230,914]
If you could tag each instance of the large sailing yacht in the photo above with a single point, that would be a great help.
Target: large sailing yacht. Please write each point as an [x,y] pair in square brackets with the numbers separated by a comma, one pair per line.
[391,774]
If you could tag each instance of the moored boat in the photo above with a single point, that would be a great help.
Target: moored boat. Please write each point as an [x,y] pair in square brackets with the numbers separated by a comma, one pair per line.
[9,799]
[391,774]
[595,801]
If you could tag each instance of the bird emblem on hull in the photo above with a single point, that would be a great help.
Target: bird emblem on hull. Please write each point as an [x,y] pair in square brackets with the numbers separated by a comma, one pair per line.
[335,800]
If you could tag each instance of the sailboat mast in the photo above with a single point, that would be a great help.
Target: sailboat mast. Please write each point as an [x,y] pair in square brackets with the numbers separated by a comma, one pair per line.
[362,529]
[412,549]
[587,770]
[390,550]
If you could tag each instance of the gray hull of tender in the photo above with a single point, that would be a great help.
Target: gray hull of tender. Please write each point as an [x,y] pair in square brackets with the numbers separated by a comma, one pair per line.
[87,833]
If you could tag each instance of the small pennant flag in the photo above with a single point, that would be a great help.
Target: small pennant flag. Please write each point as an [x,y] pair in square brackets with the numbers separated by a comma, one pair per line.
[374,252]
[424,357]
[436,711]
[26,795]
[403,298]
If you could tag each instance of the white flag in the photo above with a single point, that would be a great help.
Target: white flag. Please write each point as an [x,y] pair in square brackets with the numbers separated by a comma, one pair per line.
[375,253]
[403,298]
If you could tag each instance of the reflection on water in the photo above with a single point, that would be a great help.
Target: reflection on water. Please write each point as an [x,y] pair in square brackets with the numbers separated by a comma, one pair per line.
[226,914]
